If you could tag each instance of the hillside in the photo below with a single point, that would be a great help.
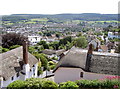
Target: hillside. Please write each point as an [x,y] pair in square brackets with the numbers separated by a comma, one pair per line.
[84,17]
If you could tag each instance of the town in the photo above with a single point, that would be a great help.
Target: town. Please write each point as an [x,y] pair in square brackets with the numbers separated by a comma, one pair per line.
[59,50]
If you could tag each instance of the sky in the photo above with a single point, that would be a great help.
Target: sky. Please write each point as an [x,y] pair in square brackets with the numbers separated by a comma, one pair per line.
[8,7]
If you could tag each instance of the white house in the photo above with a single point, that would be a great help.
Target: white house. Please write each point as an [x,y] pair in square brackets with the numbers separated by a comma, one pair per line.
[113,35]
[75,64]
[17,64]
[34,39]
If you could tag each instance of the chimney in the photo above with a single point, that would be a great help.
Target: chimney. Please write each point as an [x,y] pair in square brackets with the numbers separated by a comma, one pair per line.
[25,52]
[90,50]
[89,55]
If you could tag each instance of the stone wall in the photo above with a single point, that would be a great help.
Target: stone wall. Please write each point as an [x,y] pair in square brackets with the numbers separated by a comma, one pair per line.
[105,63]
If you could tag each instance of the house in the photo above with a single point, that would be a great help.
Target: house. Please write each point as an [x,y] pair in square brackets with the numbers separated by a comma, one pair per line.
[76,65]
[34,39]
[53,53]
[17,64]
[113,35]
[95,42]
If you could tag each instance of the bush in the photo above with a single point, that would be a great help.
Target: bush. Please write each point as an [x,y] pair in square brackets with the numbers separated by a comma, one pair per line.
[88,83]
[99,84]
[47,84]
[34,83]
[19,84]
[68,85]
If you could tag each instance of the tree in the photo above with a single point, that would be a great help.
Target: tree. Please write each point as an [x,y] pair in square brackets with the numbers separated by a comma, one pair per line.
[58,35]
[55,45]
[45,45]
[43,59]
[79,34]
[11,39]
[65,40]
[80,42]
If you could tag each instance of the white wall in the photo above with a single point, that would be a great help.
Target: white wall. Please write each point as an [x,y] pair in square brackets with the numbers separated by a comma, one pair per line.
[21,76]
[7,82]
[67,74]
[63,74]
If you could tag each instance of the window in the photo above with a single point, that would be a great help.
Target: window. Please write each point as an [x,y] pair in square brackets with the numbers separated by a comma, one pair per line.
[81,74]
[17,74]
[13,78]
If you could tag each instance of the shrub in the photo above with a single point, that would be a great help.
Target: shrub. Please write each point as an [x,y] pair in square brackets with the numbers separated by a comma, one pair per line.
[19,84]
[108,82]
[47,84]
[68,85]
[34,83]
[88,83]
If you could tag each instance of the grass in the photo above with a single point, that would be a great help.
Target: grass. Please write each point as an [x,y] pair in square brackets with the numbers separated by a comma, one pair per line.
[40,19]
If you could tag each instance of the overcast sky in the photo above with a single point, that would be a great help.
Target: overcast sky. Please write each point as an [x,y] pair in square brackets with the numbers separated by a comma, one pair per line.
[58,6]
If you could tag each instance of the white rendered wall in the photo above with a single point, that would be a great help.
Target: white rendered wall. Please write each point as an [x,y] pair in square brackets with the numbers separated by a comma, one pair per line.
[29,74]
[63,74]
[67,74]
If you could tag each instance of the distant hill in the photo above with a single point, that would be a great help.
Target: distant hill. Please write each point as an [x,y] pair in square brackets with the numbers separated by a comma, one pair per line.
[84,17]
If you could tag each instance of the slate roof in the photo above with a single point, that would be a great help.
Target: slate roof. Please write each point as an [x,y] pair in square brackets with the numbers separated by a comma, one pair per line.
[74,58]
[12,61]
